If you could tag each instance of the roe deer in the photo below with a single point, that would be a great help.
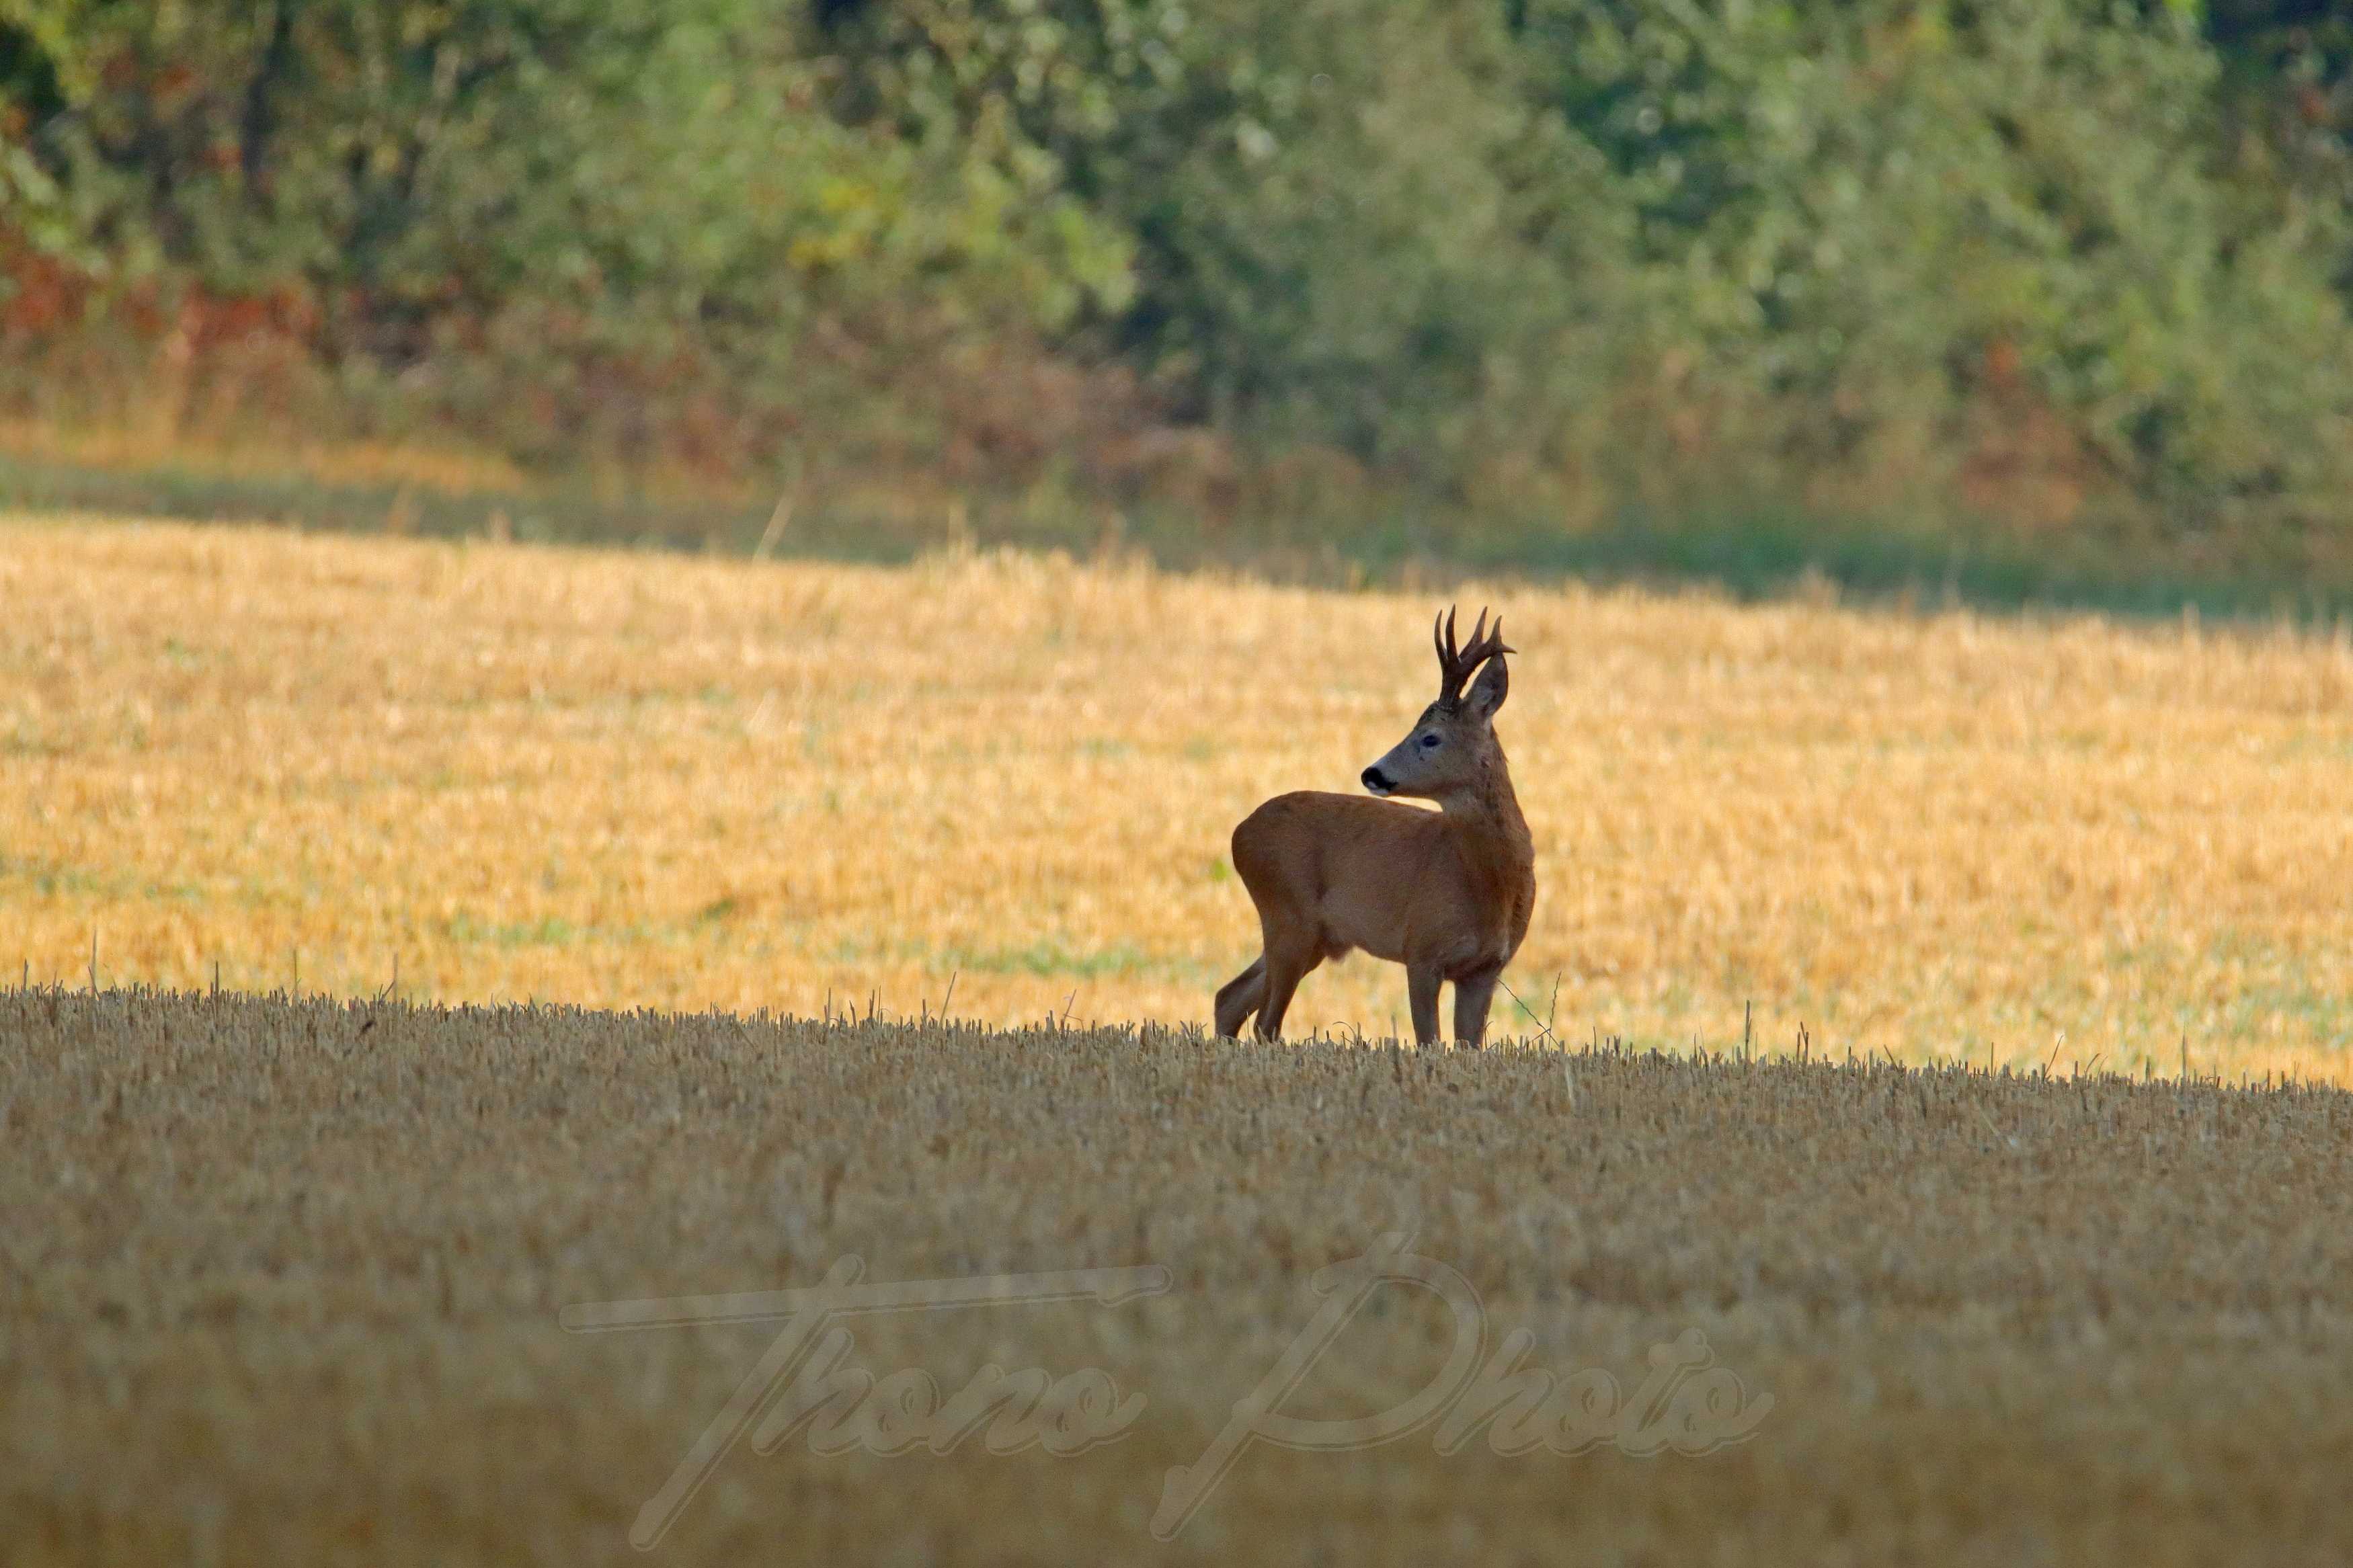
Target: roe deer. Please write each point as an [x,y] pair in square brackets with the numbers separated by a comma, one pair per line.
[1447,893]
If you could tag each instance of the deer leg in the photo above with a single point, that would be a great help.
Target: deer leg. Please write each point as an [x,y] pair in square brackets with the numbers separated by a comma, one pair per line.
[1421,995]
[1285,968]
[1471,996]
[1239,997]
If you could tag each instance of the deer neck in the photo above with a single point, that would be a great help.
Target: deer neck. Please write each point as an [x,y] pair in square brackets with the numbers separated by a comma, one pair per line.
[1489,831]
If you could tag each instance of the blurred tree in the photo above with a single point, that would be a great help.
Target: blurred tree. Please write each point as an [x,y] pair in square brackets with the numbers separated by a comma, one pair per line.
[1323,232]
[1553,256]
[631,180]
[1881,218]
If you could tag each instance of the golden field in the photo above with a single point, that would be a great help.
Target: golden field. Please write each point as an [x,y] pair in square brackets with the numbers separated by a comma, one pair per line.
[288,1282]
[287,1276]
[618,779]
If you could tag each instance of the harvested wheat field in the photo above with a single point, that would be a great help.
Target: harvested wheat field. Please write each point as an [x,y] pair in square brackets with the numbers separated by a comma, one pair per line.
[289,1281]
[1003,786]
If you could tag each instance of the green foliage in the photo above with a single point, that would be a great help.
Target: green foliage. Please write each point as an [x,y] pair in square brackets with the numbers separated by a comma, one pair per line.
[2069,263]
[1323,216]
[668,154]
[578,198]
[1880,219]
[1911,244]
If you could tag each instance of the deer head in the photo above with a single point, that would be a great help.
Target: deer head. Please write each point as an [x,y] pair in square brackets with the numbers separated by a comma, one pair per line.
[1452,747]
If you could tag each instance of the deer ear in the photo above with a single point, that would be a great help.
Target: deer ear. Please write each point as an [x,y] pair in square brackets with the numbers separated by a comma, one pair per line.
[1487,693]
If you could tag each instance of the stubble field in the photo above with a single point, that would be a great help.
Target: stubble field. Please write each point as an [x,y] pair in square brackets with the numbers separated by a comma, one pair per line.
[305,1283]
[1002,787]
[305,1277]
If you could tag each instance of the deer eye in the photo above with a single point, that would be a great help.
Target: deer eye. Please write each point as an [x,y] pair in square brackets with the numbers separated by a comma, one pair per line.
[1429,743]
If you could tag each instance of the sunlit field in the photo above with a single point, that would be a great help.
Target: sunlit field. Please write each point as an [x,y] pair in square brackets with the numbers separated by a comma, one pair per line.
[1001,788]
[287,1277]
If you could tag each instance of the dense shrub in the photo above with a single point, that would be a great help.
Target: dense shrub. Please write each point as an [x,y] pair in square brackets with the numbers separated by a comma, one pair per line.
[583,224]
[2065,263]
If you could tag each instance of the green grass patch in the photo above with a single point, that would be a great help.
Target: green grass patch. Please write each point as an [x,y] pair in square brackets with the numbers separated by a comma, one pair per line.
[1048,957]
[1749,553]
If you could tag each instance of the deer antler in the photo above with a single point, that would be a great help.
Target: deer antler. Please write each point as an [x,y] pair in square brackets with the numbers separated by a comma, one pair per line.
[1457,666]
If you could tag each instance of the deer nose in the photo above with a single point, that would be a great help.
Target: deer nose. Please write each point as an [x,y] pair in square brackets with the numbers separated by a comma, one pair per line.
[1379,781]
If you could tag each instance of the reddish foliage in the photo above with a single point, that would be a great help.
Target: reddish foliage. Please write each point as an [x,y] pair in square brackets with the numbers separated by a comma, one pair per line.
[43,293]
[985,411]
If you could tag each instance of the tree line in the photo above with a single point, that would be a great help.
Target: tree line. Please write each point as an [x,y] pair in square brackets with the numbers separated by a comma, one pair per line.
[2070,265]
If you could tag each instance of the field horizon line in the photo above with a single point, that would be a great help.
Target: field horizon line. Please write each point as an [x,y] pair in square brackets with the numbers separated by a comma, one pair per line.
[848,1024]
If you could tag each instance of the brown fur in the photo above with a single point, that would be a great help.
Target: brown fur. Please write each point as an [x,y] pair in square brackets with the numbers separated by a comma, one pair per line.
[1447,893]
